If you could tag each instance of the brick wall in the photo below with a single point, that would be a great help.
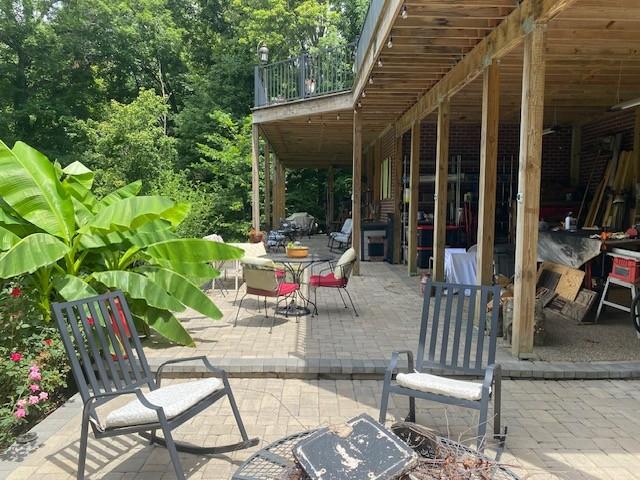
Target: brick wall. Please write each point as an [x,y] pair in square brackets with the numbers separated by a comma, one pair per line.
[593,164]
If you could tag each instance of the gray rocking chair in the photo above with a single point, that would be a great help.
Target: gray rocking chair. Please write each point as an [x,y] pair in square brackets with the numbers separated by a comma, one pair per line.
[107,361]
[452,344]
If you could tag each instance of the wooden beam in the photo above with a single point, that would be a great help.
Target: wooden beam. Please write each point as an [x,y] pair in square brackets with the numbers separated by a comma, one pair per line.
[356,188]
[488,172]
[330,198]
[255,177]
[303,108]
[441,186]
[377,160]
[398,199]
[576,147]
[275,218]
[495,45]
[530,163]
[414,198]
[267,186]
[636,164]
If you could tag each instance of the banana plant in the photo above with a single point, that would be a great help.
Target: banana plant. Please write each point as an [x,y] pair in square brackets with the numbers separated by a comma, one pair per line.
[71,244]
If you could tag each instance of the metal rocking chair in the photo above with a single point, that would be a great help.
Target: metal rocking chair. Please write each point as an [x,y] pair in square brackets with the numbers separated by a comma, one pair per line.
[454,344]
[107,361]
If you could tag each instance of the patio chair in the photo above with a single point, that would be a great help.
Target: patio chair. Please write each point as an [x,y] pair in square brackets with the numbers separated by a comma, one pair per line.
[263,280]
[219,265]
[455,345]
[338,277]
[108,362]
[343,237]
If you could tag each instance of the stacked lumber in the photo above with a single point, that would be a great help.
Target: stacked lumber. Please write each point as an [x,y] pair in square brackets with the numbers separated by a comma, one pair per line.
[609,206]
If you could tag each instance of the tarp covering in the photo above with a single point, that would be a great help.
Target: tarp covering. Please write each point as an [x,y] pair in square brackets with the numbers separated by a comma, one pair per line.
[572,250]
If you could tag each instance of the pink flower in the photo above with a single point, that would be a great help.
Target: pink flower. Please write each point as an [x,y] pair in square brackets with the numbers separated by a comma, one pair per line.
[34,374]
[20,413]
[48,342]
[21,403]
[15,356]
[44,396]
[33,399]
[16,292]
[34,388]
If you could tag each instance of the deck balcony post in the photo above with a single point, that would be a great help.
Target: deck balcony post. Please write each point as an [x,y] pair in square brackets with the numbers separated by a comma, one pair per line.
[440,196]
[356,188]
[528,199]
[267,186]
[414,198]
[255,177]
[488,173]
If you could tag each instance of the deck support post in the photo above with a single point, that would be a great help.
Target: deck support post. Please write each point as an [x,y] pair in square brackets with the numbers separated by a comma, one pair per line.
[440,196]
[414,198]
[267,186]
[398,199]
[356,188]
[528,200]
[576,146]
[330,198]
[488,173]
[255,177]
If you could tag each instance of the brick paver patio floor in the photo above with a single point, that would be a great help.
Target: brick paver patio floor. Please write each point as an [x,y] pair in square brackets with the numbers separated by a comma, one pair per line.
[557,429]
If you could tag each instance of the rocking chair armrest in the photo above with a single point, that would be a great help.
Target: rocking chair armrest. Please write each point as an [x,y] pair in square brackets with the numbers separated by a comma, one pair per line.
[493,372]
[127,391]
[394,360]
[202,358]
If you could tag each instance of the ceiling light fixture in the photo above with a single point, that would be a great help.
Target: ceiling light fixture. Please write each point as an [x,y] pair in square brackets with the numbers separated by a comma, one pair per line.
[359,104]
[309,120]
[404,13]
[338,117]
[380,62]
[370,80]
[390,42]
[364,93]
[624,105]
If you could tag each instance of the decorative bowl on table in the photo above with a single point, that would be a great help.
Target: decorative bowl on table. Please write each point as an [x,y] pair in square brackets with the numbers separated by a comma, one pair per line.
[297,251]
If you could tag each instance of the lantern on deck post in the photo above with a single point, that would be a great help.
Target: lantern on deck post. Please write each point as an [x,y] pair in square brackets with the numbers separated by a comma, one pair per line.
[263,54]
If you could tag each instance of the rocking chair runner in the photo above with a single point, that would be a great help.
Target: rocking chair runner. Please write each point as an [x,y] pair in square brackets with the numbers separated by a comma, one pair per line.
[107,361]
[453,343]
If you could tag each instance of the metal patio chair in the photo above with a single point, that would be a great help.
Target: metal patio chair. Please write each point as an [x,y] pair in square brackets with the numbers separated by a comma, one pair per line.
[343,237]
[108,362]
[455,345]
[338,277]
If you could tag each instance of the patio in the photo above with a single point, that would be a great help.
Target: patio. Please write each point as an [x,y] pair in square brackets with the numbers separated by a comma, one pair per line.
[338,343]
[557,430]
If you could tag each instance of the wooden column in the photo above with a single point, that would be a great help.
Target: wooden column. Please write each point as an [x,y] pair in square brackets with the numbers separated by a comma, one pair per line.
[275,185]
[356,187]
[330,198]
[398,195]
[488,172]
[440,196]
[636,165]
[282,192]
[414,198]
[576,146]
[255,177]
[267,186]
[531,118]
[377,160]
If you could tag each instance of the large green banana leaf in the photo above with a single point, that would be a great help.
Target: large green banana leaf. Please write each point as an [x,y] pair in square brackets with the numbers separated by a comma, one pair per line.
[101,240]
[15,225]
[73,288]
[196,272]
[129,190]
[80,173]
[29,184]
[138,286]
[182,289]
[143,239]
[165,323]
[177,213]
[31,253]
[130,213]
[7,239]
[193,250]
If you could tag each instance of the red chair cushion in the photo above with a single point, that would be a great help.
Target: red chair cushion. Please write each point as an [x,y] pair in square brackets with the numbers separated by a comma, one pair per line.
[328,280]
[287,288]
[281,274]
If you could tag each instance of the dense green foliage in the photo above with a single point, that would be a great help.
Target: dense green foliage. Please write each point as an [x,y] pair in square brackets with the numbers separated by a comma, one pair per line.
[157,90]
[69,243]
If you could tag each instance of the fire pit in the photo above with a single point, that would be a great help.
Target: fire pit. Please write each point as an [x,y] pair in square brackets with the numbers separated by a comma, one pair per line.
[440,457]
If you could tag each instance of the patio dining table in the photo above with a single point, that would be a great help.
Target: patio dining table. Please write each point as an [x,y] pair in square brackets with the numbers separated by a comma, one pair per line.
[299,269]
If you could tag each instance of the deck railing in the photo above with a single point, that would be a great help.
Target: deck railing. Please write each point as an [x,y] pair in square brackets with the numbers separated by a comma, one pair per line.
[305,76]
[369,26]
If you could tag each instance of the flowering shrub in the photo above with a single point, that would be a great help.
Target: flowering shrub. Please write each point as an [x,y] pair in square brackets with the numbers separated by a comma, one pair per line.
[33,363]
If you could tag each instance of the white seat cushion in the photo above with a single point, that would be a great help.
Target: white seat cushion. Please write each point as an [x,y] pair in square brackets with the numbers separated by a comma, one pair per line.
[174,399]
[425,382]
